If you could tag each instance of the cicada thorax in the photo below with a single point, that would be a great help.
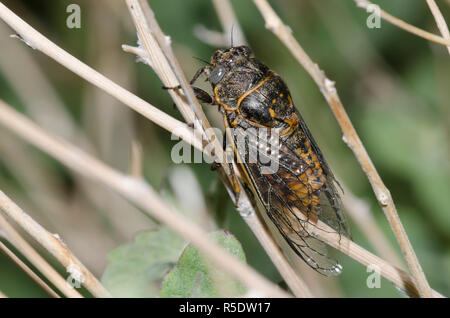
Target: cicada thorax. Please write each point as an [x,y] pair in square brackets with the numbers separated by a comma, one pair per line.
[254,97]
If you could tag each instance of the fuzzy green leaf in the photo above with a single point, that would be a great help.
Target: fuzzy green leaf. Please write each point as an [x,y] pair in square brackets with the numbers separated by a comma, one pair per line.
[136,269]
[196,276]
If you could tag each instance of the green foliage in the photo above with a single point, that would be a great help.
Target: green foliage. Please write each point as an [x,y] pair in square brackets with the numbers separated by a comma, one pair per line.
[136,269]
[195,276]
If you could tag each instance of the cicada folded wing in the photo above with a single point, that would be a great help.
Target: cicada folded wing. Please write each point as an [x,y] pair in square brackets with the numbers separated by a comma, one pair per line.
[295,195]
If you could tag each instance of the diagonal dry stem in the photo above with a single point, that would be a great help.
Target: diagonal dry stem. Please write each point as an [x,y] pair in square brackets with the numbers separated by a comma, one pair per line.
[5,250]
[15,239]
[366,4]
[54,245]
[328,89]
[38,42]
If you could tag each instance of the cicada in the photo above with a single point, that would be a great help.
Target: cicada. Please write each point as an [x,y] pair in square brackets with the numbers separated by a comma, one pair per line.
[302,189]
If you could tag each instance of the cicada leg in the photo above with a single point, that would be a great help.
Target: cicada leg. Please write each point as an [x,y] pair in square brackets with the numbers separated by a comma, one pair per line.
[201,95]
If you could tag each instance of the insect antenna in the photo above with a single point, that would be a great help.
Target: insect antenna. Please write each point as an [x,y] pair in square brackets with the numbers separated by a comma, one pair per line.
[202,60]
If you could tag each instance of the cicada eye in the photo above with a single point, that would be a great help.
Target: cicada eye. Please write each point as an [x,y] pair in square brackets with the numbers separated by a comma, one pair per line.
[217,74]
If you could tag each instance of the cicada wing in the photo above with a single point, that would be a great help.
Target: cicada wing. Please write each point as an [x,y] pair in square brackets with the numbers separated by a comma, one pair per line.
[292,224]
[283,194]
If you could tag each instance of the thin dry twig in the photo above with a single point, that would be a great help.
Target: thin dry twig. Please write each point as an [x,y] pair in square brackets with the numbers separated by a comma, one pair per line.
[366,4]
[54,245]
[15,239]
[360,213]
[230,25]
[351,138]
[440,21]
[136,190]
[398,277]
[38,42]
[164,63]
[28,271]
[232,34]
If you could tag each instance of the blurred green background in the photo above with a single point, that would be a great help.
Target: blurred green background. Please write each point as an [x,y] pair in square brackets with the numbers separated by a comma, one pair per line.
[393,85]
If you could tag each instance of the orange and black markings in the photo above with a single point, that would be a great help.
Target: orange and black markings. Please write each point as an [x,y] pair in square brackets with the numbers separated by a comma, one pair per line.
[302,189]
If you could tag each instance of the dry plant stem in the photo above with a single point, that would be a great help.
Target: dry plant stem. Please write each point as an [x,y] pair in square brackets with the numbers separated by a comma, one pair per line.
[274,23]
[297,285]
[440,21]
[360,213]
[136,159]
[164,62]
[365,4]
[398,277]
[2,295]
[37,260]
[53,244]
[28,270]
[230,24]
[37,41]
[136,190]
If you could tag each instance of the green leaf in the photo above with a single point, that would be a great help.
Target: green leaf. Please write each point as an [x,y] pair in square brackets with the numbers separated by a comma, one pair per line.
[136,269]
[196,276]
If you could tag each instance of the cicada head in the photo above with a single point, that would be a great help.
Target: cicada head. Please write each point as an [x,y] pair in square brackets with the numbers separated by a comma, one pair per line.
[223,61]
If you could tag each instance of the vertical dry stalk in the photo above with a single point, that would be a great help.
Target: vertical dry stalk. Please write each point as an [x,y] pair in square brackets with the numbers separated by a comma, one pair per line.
[440,21]
[360,213]
[328,89]
[229,22]
[15,239]
[54,245]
